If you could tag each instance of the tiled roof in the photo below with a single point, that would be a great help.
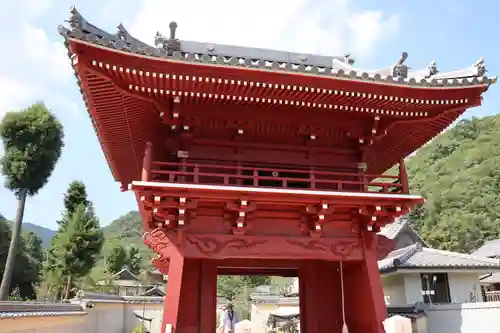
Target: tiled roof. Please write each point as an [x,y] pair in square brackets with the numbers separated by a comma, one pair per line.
[154,291]
[409,311]
[491,278]
[25,309]
[273,299]
[489,249]
[401,224]
[229,55]
[392,230]
[125,274]
[416,256]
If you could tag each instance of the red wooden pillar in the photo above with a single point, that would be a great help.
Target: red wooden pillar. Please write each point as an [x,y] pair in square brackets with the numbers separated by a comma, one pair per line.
[190,300]
[364,296]
[403,177]
[319,297]
[146,162]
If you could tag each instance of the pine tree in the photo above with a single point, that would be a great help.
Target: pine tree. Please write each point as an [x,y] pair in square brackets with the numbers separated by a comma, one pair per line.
[77,247]
[116,258]
[134,260]
[64,256]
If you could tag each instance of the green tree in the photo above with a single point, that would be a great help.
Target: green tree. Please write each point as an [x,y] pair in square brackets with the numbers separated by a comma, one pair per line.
[74,196]
[29,258]
[459,177]
[32,140]
[76,249]
[116,258]
[229,286]
[134,260]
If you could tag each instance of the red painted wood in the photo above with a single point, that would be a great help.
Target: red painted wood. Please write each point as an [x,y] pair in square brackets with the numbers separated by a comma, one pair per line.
[364,289]
[110,100]
[226,174]
[208,246]
[319,294]
[236,226]
[147,162]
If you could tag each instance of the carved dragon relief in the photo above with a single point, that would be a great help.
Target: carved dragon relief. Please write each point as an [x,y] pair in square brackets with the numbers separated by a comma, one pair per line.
[158,241]
[210,246]
[162,264]
[341,248]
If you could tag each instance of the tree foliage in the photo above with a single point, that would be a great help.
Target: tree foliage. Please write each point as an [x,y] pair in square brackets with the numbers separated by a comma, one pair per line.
[75,196]
[119,257]
[29,260]
[458,173]
[77,247]
[134,261]
[116,258]
[77,243]
[32,140]
[229,286]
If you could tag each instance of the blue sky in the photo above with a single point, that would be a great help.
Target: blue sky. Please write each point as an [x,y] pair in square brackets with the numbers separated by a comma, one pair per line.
[34,66]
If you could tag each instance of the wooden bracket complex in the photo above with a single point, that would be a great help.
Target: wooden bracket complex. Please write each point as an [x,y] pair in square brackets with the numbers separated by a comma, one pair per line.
[241,209]
[318,216]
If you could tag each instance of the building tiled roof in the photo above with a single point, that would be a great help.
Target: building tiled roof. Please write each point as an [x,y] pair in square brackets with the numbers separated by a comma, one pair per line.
[418,257]
[273,299]
[392,230]
[488,250]
[230,55]
[154,291]
[490,278]
[408,311]
[25,309]
[125,274]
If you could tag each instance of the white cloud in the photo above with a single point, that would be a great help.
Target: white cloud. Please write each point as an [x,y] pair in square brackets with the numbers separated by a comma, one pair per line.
[326,27]
[34,68]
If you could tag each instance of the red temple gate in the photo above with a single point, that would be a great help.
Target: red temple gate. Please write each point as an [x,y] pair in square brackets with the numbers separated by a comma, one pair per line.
[254,161]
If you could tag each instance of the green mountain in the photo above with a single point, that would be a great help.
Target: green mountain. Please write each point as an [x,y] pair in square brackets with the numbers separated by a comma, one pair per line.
[45,234]
[128,230]
[459,175]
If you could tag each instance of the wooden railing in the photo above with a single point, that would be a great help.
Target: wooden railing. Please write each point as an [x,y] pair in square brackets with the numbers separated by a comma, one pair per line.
[234,175]
[492,296]
[238,175]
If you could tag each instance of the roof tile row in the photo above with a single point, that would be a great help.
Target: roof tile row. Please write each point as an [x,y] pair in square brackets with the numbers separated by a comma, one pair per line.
[228,55]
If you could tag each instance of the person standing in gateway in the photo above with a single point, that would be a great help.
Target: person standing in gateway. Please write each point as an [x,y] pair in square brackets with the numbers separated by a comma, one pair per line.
[228,320]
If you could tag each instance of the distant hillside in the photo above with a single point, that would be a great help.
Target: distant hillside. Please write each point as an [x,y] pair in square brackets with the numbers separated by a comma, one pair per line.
[127,229]
[45,234]
[458,173]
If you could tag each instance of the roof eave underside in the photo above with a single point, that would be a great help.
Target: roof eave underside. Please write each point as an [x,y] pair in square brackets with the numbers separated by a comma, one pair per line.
[133,121]
[124,123]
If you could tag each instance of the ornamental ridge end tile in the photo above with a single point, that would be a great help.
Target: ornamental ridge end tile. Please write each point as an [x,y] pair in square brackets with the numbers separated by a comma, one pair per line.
[272,60]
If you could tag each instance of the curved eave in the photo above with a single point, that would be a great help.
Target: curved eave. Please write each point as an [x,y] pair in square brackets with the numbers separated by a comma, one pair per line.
[125,120]
[176,66]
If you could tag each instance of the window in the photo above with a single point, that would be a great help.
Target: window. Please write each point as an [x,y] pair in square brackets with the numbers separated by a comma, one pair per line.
[435,288]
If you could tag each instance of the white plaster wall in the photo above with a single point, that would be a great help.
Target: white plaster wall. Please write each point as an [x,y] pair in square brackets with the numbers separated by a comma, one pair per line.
[154,312]
[464,318]
[394,290]
[104,317]
[56,324]
[465,288]
[413,288]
